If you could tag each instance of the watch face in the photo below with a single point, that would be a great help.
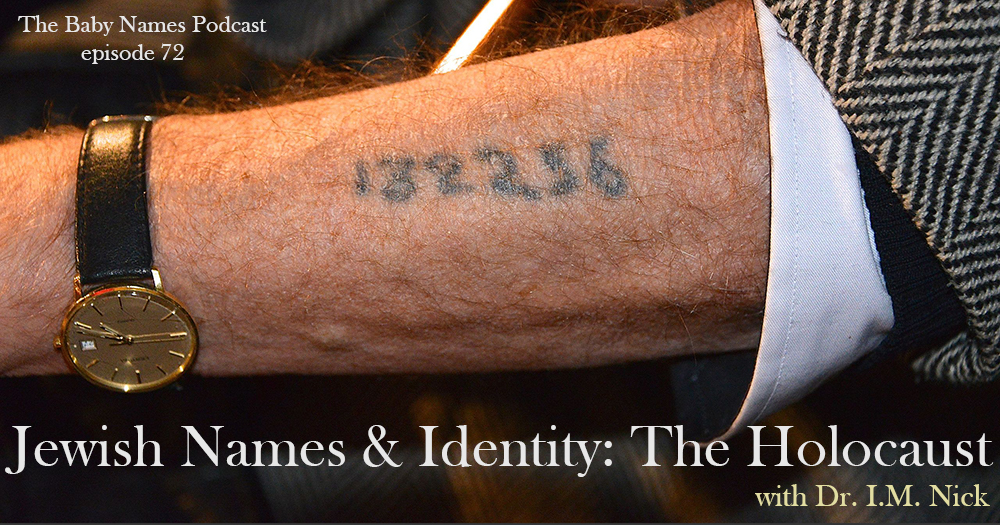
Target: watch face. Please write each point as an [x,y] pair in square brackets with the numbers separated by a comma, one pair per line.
[129,338]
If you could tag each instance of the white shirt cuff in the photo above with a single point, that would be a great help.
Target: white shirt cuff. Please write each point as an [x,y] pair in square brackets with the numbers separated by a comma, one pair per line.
[826,303]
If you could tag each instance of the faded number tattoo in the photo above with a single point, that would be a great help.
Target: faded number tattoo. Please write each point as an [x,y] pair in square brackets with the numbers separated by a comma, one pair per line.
[398,179]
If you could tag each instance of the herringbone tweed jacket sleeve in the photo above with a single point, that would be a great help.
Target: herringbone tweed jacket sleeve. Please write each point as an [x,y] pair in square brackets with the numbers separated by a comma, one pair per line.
[916,82]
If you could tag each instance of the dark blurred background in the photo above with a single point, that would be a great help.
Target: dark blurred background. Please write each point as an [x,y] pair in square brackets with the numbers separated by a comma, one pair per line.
[43,81]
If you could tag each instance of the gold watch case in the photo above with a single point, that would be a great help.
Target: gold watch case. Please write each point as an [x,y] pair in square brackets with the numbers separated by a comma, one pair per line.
[128,338]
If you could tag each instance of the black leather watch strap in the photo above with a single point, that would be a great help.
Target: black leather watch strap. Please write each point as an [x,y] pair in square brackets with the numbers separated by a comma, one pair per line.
[112,225]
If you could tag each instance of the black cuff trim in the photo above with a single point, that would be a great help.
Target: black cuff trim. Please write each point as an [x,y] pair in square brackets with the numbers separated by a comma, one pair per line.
[709,391]
[927,311]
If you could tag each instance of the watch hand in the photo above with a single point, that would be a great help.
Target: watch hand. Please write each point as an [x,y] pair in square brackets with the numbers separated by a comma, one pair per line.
[170,335]
[98,333]
[140,341]
[112,330]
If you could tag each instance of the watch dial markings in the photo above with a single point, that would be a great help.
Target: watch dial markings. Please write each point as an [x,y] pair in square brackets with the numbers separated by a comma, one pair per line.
[111,347]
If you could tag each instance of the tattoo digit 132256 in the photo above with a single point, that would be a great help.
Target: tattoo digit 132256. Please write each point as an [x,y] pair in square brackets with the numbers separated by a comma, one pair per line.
[400,178]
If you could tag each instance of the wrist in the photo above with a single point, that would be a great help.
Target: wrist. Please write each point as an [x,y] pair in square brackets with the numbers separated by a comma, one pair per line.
[36,248]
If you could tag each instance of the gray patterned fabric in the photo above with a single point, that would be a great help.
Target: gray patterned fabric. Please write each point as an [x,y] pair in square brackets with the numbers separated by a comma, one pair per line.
[916,82]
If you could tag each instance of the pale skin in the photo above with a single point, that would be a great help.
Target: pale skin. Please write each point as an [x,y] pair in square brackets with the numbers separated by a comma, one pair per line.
[590,204]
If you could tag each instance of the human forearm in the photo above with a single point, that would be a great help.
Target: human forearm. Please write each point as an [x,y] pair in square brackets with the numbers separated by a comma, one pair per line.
[654,241]
[36,248]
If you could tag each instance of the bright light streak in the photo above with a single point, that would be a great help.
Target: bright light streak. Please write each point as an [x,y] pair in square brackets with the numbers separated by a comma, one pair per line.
[473,36]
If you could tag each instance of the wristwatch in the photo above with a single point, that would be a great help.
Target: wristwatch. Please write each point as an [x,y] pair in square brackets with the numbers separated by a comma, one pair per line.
[123,332]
